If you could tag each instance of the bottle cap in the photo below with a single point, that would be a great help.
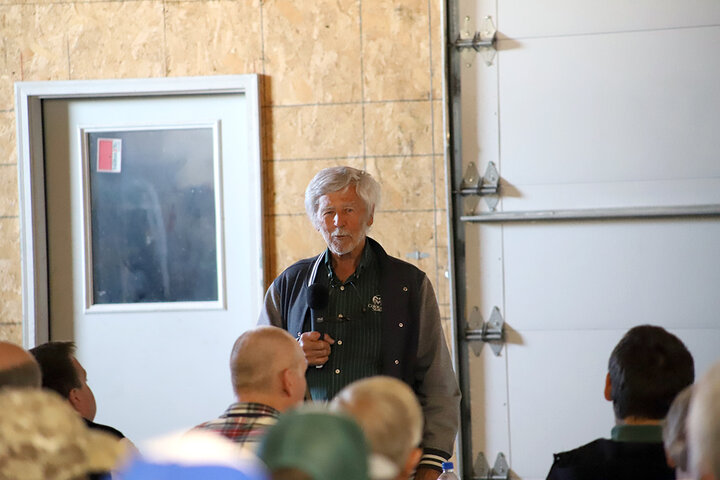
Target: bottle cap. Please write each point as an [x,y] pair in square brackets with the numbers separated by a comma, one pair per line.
[447,466]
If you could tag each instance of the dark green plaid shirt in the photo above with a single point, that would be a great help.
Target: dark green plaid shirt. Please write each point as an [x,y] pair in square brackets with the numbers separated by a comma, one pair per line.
[353,319]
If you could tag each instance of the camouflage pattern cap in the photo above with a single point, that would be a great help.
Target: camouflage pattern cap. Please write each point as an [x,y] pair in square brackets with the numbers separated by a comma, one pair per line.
[43,438]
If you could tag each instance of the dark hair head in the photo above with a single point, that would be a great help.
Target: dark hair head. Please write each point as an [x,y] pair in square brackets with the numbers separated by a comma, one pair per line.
[58,371]
[648,368]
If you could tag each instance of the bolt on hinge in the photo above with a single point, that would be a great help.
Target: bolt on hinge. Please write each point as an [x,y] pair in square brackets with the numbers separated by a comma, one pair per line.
[487,186]
[483,38]
[479,332]
[499,471]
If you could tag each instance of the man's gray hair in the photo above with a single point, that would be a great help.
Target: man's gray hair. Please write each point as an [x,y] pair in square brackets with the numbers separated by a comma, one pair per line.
[675,431]
[704,425]
[334,179]
[389,414]
[24,375]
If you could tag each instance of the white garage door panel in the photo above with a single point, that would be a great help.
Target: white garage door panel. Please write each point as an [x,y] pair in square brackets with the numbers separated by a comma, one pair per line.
[522,18]
[619,274]
[489,387]
[652,193]
[484,247]
[542,364]
[628,114]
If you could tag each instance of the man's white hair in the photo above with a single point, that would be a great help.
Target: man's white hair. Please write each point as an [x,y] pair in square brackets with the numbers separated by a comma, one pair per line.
[704,425]
[334,179]
[389,414]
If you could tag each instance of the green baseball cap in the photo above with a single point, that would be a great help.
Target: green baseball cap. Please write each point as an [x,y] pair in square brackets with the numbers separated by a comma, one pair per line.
[324,445]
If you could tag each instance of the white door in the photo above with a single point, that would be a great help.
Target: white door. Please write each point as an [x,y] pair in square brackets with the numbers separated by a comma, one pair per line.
[587,105]
[154,249]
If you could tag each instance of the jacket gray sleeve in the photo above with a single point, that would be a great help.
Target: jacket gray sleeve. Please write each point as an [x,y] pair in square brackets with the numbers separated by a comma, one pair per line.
[436,383]
[270,313]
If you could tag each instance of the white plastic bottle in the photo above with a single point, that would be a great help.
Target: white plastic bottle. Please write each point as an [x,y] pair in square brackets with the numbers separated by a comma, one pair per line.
[448,472]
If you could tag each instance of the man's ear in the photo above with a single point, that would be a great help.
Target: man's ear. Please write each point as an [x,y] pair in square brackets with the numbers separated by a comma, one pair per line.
[371,217]
[74,399]
[608,388]
[286,381]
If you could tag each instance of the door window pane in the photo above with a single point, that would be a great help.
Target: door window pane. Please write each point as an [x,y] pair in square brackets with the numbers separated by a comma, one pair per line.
[153,215]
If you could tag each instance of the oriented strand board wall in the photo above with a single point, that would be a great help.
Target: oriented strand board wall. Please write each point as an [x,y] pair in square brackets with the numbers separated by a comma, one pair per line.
[355,82]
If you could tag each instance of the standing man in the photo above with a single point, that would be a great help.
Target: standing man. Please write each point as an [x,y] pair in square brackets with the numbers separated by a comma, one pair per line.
[373,314]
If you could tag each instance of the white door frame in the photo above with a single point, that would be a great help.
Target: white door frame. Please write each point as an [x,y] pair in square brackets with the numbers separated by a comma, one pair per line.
[31,169]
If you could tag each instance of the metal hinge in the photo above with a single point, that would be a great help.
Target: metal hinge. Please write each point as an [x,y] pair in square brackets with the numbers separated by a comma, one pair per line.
[480,333]
[484,38]
[499,471]
[487,186]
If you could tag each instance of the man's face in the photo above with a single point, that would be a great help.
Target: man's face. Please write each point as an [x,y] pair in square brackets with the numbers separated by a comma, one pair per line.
[82,398]
[343,220]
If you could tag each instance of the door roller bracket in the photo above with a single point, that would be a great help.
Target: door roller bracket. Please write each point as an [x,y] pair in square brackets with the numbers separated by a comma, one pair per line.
[487,186]
[478,332]
[499,471]
[484,38]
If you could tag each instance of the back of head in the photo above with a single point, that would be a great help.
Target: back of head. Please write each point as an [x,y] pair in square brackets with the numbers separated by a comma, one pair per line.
[58,371]
[334,179]
[18,368]
[648,368]
[704,425]
[323,445]
[388,412]
[674,431]
[258,355]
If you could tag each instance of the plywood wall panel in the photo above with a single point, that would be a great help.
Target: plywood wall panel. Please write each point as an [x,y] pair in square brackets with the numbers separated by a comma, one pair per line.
[8,152]
[404,233]
[213,38]
[10,291]
[8,190]
[405,182]
[116,40]
[312,51]
[399,128]
[396,52]
[35,40]
[317,131]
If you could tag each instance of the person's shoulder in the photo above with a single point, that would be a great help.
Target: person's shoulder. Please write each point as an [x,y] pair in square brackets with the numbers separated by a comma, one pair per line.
[105,428]
[298,268]
[581,455]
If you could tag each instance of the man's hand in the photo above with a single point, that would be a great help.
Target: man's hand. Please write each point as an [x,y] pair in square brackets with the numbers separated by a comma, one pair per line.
[316,351]
[426,473]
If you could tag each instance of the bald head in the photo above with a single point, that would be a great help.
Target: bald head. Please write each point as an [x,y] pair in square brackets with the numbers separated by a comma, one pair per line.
[18,367]
[261,360]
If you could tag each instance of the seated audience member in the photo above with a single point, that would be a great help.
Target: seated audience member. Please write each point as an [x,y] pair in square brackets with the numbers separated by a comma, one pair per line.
[18,368]
[267,370]
[390,415]
[647,369]
[704,426]
[43,438]
[197,454]
[62,373]
[675,434]
[315,445]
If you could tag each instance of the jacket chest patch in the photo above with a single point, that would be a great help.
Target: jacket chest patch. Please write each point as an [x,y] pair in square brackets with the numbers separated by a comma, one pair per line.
[376,304]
